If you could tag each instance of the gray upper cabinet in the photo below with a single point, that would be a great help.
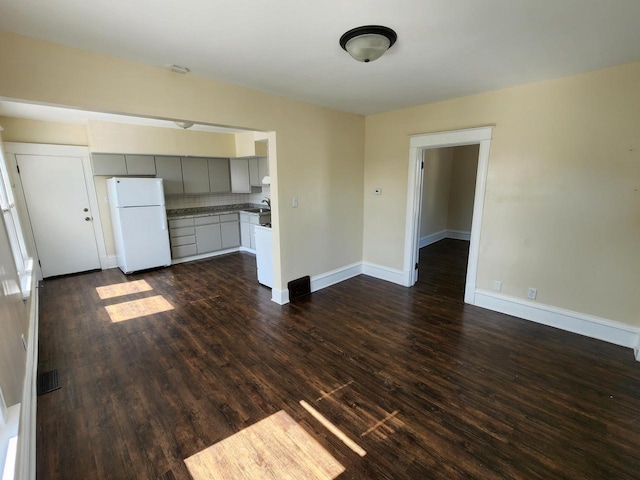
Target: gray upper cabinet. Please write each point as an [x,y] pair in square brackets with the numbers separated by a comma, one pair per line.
[108,164]
[195,175]
[254,173]
[170,170]
[240,175]
[219,175]
[263,167]
[140,164]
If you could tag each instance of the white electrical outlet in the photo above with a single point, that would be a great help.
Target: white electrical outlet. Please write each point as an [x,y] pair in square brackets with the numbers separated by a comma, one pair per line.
[497,285]
[294,202]
[532,293]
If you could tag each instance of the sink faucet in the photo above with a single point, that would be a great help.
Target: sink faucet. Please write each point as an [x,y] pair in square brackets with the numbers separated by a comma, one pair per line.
[267,201]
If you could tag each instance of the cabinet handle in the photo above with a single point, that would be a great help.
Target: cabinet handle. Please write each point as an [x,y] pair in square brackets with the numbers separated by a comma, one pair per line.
[87,219]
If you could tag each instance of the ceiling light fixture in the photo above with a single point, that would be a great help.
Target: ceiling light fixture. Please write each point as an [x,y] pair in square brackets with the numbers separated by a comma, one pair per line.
[368,43]
[184,125]
[179,69]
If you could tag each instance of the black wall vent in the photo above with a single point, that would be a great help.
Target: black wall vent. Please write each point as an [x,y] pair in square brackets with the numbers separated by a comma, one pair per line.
[299,288]
[48,382]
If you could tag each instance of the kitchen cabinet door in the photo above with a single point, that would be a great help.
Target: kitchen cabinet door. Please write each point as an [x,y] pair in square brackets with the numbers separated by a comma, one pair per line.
[170,170]
[254,173]
[230,234]
[219,175]
[140,164]
[208,238]
[245,233]
[108,164]
[195,175]
[263,167]
[239,168]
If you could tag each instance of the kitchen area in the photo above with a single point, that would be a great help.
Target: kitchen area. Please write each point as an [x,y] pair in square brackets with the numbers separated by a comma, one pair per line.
[213,205]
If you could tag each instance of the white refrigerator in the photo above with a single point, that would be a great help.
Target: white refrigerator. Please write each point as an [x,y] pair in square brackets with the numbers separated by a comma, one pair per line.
[139,223]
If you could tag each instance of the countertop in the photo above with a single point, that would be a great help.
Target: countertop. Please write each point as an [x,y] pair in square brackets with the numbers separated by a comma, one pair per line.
[206,211]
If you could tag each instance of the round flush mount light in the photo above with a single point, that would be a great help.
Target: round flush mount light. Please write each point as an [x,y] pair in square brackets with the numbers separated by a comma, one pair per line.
[184,125]
[368,43]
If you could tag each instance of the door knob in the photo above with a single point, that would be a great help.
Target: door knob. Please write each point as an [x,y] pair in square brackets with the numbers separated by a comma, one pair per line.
[87,219]
[85,210]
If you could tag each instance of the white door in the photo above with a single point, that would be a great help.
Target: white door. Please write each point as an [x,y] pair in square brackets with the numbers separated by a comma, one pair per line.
[60,214]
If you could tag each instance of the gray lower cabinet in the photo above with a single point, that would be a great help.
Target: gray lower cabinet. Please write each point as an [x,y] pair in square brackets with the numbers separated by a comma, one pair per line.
[197,235]
[245,230]
[248,221]
[208,238]
[230,234]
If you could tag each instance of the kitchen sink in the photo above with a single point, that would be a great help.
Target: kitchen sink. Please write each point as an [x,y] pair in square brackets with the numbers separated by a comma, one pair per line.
[257,210]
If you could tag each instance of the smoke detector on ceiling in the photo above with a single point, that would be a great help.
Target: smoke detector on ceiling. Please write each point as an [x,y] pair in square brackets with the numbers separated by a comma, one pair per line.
[179,69]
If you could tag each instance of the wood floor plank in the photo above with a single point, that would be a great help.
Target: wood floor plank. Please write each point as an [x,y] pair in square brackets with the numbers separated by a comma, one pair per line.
[444,389]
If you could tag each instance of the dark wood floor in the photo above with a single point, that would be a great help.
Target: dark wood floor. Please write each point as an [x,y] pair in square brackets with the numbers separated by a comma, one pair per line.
[467,393]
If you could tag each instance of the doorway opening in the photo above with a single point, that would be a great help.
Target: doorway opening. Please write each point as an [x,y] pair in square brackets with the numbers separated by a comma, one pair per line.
[449,181]
[418,145]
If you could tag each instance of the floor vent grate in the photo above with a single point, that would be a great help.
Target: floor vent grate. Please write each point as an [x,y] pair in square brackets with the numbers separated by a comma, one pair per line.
[299,288]
[48,382]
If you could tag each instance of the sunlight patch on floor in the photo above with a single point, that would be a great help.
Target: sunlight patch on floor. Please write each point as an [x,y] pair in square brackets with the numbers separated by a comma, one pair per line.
[120,289]
[138,308]
[333,429]
[275,448]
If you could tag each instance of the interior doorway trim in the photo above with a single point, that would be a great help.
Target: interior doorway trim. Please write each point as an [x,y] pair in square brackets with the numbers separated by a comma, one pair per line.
[417,145]
[16,148]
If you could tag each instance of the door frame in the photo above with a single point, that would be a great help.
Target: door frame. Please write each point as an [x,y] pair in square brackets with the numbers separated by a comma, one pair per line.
[14,148]
[417,145]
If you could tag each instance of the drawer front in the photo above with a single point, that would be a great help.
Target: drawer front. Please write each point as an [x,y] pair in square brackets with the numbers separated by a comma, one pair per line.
[183,251]
[181,232]
[254,220]
[208,220]
[177,241]
[244,217]
[181,222]
[229,217]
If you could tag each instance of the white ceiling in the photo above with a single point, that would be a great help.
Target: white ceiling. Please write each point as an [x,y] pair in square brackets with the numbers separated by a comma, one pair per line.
[445,48]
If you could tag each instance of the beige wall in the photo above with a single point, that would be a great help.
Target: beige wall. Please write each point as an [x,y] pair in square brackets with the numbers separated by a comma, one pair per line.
[435,190]
[109,137]
[464,168]
[562,203]
[35,131]
[319,156]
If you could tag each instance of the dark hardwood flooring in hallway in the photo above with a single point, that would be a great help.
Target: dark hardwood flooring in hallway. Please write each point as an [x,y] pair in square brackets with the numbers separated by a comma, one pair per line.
[429,387]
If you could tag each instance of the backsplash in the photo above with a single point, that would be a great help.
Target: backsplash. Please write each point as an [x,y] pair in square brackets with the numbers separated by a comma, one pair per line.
[215,200]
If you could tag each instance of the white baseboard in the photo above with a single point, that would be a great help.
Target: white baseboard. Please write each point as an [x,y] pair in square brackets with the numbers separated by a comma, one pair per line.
[442,234]
[636,351]
[110,261]
[324,280]
[583,324]
[247,249]
[384,273]
[433,238]
[459,235]
[281,297]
